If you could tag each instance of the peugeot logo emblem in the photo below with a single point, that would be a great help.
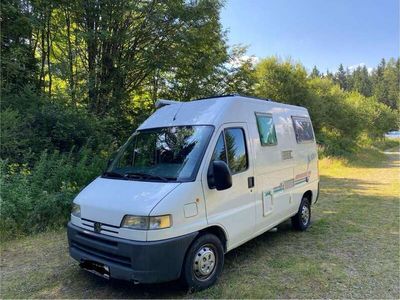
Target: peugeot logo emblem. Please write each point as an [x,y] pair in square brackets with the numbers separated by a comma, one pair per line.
[97,227]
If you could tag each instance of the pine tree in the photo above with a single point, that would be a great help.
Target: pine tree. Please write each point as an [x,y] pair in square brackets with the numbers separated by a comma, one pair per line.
[340,77]
[361,81]
[315,73]
[329,75]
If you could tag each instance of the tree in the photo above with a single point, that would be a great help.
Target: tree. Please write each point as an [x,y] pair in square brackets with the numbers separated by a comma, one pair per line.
[360,81]
[282,81]
[237,77]
[18,64]
[109,51]
[329,75]
[385,80]
[341,78]
[315,73]
[192,64]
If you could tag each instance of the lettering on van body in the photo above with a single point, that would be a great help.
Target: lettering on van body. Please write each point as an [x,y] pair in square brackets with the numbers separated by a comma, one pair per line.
[287,154]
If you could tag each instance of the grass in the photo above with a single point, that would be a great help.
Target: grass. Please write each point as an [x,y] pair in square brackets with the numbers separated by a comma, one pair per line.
[351,249]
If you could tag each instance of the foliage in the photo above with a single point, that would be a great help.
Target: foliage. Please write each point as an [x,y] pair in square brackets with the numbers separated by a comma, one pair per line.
[381,82]
[27,130]
[33,199]
[18,66]
[79,76]
[388,144]
[342,119]
[281,81]
[352,239]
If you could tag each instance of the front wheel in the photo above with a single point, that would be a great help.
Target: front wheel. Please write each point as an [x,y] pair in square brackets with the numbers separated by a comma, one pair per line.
[203,262]
[302,219]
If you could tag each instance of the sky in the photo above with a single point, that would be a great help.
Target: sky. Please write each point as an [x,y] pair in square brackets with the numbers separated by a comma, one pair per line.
[324,33]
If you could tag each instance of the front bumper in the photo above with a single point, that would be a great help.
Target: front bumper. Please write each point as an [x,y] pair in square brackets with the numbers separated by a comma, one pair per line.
[144,262]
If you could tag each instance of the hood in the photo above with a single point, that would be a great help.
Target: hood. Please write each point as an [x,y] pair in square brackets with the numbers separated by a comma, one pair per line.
[109,200]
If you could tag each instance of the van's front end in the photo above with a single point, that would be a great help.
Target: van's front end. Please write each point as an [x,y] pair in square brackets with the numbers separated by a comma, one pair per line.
[136,221]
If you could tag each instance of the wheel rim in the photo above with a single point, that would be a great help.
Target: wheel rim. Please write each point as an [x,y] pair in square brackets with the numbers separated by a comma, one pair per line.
[305,215]
[205,261]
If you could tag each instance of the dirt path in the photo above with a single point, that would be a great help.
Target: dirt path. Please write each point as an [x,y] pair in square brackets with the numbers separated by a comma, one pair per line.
[350,251]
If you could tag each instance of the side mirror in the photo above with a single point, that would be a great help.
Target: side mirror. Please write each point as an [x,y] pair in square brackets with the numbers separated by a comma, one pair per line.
[109,162]
[222,175]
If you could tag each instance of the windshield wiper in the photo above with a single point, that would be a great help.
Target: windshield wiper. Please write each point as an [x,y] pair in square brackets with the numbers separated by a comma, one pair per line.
[113,174]
[145,175]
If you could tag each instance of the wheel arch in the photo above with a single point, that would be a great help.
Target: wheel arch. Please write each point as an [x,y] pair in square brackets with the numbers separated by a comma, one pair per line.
[217,231]
[309,195]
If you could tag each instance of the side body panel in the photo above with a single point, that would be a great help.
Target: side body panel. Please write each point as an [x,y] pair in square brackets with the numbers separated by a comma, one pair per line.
[273,172]
[232,209]
[306,176]
[187,206]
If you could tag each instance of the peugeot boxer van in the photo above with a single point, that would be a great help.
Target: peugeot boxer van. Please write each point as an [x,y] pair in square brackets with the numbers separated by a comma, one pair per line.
[194,181]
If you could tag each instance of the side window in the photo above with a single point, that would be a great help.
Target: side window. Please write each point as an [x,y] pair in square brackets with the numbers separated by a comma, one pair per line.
[266,129]
[231,148]
[236,149]
[303,129]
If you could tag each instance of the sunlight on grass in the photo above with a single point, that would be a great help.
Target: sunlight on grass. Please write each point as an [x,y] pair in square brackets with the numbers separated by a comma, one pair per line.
[350,251]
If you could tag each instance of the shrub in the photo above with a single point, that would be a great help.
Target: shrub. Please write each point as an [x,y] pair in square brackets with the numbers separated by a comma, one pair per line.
[37,198]
[31,124]
[15,136]
[388,144]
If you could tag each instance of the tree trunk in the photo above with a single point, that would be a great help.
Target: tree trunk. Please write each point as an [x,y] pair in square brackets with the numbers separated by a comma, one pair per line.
[48,42]
[70,58]
[43,59]
[91,39]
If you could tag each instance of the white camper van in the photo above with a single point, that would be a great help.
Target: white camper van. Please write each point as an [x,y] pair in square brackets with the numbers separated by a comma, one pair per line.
[196,180]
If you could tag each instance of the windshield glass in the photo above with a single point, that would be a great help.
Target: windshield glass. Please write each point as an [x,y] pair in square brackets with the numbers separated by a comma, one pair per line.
[161,154]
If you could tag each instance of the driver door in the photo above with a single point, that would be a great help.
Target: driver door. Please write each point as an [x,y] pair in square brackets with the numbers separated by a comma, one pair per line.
[233,208]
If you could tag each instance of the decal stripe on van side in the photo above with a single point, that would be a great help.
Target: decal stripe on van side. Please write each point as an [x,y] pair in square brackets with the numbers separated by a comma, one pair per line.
[288,184]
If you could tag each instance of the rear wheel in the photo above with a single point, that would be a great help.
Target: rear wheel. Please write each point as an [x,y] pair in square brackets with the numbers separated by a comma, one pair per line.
[302,219]
[203,262]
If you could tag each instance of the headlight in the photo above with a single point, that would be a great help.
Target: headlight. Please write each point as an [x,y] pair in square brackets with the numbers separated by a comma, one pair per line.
[76,210]
[159,222]
[146,223]
[135,222]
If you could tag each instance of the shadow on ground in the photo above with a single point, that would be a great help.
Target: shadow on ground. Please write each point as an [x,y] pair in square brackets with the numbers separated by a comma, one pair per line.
[352,242]
[124,289]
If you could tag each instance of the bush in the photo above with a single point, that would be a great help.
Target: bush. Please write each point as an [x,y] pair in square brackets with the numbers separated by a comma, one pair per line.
[31,124]
[15,136]
[37,198]
[387,144]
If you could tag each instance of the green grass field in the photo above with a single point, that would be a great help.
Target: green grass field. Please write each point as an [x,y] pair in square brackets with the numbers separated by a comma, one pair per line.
[350,251]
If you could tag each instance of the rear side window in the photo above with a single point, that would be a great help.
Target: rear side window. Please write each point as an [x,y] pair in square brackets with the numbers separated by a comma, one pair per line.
[231,148]
[266,129]
[303,129]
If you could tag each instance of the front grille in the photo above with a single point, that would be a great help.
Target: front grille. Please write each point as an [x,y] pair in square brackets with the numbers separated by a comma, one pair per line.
[97,239]
[101,254]
[106,228]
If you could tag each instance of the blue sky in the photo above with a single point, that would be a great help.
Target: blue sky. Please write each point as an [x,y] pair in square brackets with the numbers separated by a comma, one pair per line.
[324,33]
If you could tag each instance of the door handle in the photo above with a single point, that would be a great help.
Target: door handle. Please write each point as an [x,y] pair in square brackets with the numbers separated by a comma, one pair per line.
[250,182]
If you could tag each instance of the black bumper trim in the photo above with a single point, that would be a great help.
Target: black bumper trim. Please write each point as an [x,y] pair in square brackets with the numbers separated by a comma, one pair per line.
[145,262]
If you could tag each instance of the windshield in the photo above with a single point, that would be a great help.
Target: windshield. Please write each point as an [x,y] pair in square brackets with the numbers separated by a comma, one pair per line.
[161,154]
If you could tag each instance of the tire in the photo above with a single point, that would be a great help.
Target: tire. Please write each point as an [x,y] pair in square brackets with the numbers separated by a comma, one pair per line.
[302,219]
[203,263]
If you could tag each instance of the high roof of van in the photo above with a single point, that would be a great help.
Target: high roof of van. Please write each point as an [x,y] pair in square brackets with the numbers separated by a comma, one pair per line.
[215,111]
